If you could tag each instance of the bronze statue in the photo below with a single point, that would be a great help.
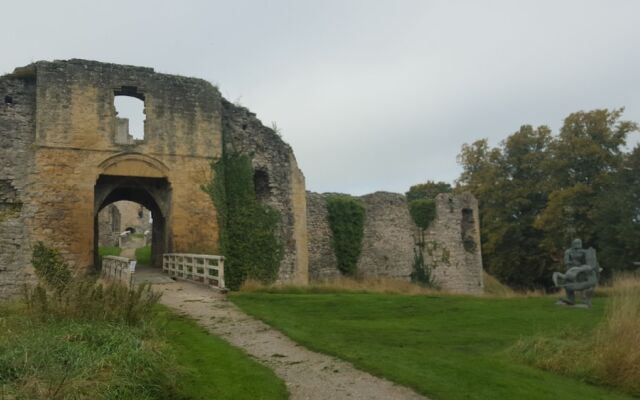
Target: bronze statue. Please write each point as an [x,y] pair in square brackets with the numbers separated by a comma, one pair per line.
[582,273]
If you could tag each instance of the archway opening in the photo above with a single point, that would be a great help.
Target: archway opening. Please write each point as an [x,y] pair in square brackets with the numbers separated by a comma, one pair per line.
[125,228]
[131,213]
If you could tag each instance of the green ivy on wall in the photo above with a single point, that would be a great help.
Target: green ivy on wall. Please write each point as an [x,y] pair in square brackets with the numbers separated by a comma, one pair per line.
[346,220]
[247,228]
[422,208]
[423,212]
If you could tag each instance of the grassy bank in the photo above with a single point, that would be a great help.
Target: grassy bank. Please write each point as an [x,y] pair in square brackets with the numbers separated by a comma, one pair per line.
[446,347]
[111,345]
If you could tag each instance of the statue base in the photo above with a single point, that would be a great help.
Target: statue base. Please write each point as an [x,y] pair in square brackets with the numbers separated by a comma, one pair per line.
[567,303]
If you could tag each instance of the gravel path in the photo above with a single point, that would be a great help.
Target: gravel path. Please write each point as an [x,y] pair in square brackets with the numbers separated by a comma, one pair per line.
[308,375]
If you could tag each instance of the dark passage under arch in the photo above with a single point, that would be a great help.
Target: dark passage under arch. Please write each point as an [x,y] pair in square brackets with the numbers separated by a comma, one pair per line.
[152,193]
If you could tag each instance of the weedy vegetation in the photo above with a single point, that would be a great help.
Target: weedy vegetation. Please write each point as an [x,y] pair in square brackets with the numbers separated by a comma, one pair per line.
[74,338]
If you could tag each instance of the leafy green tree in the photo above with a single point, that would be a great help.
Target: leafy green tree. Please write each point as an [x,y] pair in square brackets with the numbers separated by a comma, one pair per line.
[536,192]
[510,184]
[583,160]
[617,217]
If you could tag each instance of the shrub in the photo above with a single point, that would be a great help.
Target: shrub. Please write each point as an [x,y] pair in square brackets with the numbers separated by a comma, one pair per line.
[50,266]
[346,220]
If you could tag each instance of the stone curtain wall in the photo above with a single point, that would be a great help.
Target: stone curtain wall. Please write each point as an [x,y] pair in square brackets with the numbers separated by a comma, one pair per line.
[387,246]
[388,243]
[17,130]
[279,183]
[322,259]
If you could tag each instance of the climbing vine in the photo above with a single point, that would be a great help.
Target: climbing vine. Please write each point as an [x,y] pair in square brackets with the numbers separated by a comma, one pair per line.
[421,273]
[50,267]
[423,212]
[422,208]
[247,228]
[346,220]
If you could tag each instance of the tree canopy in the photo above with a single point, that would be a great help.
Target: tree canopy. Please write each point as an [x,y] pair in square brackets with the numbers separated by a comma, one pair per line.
[537,191]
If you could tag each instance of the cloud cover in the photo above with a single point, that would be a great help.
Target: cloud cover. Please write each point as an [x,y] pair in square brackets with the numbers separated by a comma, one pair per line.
[372,95]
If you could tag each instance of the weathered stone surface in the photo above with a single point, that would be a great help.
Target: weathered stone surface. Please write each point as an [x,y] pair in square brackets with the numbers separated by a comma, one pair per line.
[456,267]
[278,182]
[387,245]
[322,259]
[17,130]
[109,226]
[62,160]
[452,241]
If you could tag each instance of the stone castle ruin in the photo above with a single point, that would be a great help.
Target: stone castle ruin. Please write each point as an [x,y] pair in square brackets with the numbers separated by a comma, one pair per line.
[123,216]
[452,248]
[66,155]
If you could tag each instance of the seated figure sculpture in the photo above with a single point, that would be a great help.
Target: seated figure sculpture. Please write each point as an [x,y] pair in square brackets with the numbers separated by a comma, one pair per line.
[582,273]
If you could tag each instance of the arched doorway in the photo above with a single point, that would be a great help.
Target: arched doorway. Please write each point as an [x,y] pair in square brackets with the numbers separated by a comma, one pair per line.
[153,194]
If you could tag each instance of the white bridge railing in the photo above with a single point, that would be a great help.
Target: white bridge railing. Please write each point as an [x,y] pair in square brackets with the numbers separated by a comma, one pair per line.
[119,269]
[203,268]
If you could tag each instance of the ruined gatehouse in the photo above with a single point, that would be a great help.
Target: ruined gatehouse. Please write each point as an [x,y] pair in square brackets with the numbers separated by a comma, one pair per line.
[65,155]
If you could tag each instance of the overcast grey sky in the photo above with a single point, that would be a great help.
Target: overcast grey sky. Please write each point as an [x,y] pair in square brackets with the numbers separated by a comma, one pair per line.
[372,95]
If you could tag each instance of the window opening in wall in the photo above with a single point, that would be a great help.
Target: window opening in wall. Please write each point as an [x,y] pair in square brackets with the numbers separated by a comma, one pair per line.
[130,115]
[468,230]
[261,184]
[8,100]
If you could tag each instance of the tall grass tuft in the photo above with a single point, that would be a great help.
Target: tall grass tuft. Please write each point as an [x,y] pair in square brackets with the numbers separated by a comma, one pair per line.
[494,288]
[610,355]
[86,300]
[61,359]
[617,340]
[345,284]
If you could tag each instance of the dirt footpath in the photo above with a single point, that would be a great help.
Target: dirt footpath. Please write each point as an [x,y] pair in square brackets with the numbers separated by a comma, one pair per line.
[307,374]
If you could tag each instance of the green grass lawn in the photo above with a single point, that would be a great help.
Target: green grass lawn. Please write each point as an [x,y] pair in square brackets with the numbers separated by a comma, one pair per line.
[143,255]
[109,251]
[212,369]
[444,347]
